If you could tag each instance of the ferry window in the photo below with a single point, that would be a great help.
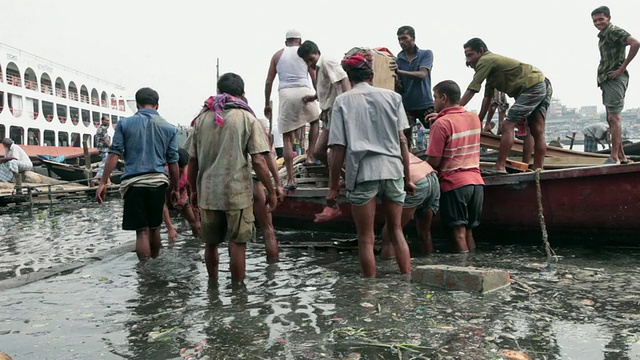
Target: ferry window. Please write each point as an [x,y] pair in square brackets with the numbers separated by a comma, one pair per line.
[75,140]
[114,102]
[63,138]
[74,115]
[95,116]
[45,84]
[16,134]
[86,117]
[103,99]
[13,75]
[87,138]
[49,138]
[62,113]
[2,132]
[121,105]
[94,98]
[84,94]
[61,90]
[30,79]
[114,120]
[32,107]
[15,104]
[47,110]
[1,101]
[33,137]
[73,91]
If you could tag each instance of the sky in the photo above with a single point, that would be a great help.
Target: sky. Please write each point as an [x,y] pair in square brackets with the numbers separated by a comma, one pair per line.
[173,48]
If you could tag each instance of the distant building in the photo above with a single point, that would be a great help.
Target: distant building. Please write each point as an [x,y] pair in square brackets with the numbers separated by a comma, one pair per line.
[555,109]
[588,111]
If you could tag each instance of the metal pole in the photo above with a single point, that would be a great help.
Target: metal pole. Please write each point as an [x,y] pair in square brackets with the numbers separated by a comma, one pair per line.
[217,69]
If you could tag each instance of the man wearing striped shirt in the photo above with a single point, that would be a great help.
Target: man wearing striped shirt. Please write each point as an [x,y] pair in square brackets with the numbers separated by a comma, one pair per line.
[454,151]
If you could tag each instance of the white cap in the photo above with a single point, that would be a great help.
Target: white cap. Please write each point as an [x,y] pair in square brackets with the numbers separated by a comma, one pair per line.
[293,34]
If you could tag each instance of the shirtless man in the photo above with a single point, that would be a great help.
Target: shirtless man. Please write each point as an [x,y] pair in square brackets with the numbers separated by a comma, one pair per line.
[424,203]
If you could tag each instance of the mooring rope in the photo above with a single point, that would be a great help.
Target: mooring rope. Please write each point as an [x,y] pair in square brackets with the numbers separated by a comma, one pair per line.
[543,226]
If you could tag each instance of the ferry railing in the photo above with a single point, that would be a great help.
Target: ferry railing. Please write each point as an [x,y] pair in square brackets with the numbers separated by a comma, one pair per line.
[31,85]
[14,80]
[46,89]
[36,57]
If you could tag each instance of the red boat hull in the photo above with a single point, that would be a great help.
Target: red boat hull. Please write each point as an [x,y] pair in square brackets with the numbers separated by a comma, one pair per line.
[601,203]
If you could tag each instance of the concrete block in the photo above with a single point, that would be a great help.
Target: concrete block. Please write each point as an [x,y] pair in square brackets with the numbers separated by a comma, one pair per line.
[459,278]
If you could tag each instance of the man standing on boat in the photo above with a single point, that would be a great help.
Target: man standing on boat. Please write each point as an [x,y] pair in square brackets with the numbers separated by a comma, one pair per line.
[414,78]
[295,83]
[331,81]
[613,77]
[15,161]
[223,138]
[595,134]
[147,142]
[454,151]
[522,82]
[377,161]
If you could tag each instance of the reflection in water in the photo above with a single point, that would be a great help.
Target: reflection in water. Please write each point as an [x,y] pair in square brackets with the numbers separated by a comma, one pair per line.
[61,234]
[315,305]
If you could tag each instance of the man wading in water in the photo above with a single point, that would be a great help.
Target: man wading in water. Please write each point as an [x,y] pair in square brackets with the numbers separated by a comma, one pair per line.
[147,142]
[377,160]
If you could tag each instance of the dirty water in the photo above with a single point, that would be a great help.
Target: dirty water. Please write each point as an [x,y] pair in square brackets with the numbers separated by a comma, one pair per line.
[314,304]
[56,235]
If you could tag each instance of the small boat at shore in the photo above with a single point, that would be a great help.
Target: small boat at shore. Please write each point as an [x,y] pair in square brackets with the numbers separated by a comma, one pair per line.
[74,173]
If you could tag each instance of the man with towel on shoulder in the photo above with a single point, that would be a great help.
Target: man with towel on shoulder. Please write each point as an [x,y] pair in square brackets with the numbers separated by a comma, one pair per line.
[295,83]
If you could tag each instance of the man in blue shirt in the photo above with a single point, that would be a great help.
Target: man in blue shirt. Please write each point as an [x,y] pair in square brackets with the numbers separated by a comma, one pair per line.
[414,78]
[148,143]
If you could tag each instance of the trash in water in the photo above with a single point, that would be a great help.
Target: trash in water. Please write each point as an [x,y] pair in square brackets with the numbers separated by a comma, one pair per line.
[161,335]
[514,355]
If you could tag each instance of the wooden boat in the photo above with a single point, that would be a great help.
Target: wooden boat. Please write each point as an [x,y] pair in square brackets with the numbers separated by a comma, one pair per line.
[74,173]
[597,203]
[629,149]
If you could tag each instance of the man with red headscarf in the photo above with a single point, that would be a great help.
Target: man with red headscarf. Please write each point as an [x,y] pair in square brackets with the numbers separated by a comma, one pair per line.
[366,134]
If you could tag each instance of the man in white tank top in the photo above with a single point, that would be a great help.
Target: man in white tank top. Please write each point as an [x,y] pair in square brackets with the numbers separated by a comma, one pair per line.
[295,82]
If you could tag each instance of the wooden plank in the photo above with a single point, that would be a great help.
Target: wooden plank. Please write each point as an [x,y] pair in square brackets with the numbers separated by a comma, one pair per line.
[491,141]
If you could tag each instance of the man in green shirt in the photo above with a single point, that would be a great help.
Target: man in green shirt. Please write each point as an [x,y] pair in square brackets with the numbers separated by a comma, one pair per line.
[520,81]
[613,77]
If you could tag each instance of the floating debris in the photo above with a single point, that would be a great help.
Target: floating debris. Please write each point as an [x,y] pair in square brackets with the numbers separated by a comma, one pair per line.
[162,335]
[515,355]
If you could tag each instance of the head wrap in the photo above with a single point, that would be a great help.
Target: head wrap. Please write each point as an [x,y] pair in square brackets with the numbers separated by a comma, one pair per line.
[355,62]
[222,102]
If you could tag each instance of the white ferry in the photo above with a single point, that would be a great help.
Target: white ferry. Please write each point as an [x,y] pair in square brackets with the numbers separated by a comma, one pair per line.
[43,103]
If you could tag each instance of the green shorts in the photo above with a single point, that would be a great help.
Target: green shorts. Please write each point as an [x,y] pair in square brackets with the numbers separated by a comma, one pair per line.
[613,93]
[235,225]
[366,191]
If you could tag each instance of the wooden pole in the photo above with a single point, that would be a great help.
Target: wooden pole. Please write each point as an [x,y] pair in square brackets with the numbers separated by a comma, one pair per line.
[87,162]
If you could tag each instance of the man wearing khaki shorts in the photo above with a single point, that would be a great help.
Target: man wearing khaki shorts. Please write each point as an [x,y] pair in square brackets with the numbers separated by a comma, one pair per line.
[223,134]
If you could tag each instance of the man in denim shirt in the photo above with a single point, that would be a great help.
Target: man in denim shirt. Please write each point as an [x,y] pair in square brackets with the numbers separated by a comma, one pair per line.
[148,143]
[414,78]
